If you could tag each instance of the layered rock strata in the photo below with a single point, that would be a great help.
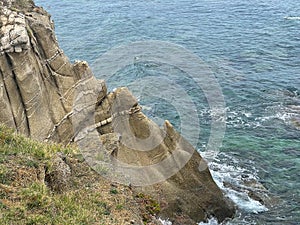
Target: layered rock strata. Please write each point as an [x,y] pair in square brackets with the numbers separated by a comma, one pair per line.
[36,78]
[38,97]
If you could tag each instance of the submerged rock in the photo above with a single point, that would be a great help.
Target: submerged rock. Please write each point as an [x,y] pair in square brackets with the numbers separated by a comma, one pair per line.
[38,88]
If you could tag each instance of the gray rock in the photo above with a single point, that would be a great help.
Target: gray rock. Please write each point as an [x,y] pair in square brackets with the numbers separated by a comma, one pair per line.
[58,174]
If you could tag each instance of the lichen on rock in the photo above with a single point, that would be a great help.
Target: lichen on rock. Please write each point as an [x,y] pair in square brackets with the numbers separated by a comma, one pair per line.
[58,174]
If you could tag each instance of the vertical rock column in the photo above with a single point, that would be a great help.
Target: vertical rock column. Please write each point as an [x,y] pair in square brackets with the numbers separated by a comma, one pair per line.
[36,78]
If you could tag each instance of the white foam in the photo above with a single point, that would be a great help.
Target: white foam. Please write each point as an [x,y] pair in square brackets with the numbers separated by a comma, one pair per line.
[247,114]
[232,174]
[146,107]
[165,222]
[224,173]
[243,201]
[211,221]
[292,17]
[284,113]
[241,119]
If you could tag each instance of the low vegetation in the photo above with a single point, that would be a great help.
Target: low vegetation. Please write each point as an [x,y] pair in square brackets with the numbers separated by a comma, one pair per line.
[27,198]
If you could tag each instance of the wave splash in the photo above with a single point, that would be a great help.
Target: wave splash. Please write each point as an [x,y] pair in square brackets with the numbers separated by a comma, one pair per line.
[292,17]
[237,183]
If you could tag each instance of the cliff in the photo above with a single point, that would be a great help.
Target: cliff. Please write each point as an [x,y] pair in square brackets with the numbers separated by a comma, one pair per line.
[42,183]
[47,98]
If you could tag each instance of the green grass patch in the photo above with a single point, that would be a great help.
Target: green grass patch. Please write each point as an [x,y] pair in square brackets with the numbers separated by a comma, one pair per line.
[113,191]
[4,175]
[26,199]
[119,206]
[13,144]
[36,196]
[152,207]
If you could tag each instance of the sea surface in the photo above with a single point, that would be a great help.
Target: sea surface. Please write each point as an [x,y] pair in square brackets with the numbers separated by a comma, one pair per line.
[252,48]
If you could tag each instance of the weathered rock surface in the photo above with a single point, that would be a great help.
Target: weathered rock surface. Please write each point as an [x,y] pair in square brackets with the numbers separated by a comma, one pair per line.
[36,78]
[58,174]
[187,197]
[37,93]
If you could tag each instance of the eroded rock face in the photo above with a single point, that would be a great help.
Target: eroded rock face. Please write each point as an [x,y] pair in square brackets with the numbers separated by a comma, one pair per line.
[36,78]
[187,196]
[37,94]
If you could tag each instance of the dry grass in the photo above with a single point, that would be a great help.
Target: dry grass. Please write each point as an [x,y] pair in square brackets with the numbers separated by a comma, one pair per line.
[25,197]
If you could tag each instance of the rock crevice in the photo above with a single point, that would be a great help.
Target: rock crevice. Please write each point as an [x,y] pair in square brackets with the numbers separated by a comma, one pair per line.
[38,89]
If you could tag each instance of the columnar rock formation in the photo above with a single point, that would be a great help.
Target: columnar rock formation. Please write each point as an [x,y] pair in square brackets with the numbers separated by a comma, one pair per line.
[37,95]
[36,78]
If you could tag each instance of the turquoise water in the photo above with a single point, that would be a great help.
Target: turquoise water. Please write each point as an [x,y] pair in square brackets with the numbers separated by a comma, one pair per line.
[252,47]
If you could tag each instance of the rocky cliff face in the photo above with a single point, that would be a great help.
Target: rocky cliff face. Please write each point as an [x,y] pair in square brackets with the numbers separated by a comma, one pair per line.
[38,88]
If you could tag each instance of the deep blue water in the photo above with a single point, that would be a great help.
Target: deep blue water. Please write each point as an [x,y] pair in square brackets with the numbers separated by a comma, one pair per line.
[252,48]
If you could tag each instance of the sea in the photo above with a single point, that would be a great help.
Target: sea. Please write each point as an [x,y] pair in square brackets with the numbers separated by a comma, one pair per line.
[252,50]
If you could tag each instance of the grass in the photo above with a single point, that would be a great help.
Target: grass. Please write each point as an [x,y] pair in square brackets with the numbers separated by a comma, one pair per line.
[12,144]
[114,191]
[4,175]
[152,207]
[26,199]
[21,4]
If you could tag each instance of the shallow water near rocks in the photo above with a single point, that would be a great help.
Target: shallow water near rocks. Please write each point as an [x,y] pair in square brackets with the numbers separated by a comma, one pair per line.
[253,49]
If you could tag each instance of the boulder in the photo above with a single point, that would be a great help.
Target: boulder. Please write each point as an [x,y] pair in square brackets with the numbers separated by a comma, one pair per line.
[57,174]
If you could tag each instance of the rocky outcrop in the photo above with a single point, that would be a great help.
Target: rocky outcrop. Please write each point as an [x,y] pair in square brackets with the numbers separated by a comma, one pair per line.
[44,96]
[36,78]
[58,173]
[188,196]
